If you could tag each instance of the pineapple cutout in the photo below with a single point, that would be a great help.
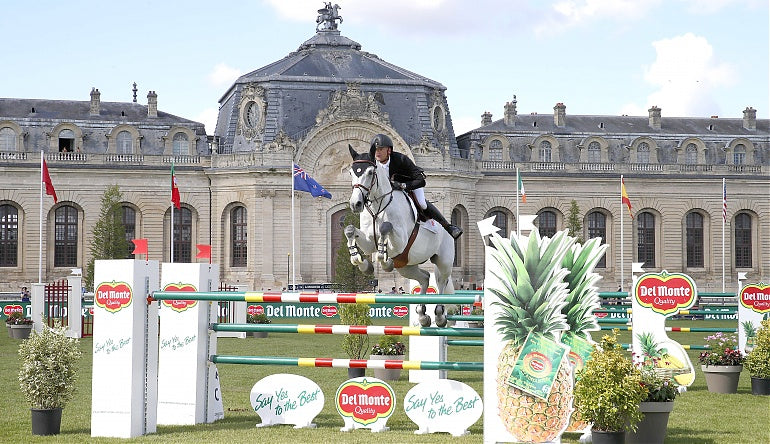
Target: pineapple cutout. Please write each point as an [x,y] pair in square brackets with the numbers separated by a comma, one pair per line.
[753,306]
[525,294]
[582,300]
[656,297]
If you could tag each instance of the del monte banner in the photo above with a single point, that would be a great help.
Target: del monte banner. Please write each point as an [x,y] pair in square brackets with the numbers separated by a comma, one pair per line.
[323,311]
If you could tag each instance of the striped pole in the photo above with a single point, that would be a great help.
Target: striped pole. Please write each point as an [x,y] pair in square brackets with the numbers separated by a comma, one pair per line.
[684,346]
[682,329]
[374,330]
[476,318]
[348,363]
[311,298]
[467,343]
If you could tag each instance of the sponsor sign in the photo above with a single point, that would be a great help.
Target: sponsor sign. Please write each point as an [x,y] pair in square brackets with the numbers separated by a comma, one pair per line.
[754,306]
[579,350]
[365,403]
[179,304]
[443,406]
[665,293]
[286,399]
[10,309]
[323,311]
[113,296]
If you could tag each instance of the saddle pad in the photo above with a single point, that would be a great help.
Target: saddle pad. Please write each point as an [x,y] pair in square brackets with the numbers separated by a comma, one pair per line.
[431,226]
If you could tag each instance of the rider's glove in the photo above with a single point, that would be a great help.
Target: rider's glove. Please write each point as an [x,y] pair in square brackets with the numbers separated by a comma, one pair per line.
[398,185]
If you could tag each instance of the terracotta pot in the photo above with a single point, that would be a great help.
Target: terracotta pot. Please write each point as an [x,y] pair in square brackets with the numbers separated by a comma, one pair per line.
[722,378]
[760,386]
[387,374]
[652,428]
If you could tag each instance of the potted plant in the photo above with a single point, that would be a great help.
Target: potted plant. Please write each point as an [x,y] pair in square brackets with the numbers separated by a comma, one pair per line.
[477,311]
[19,326]
[758,361]
[388,348]
[722,364]
[355,346]
[452,310]
[47,376]
[661,389]
[608,392]
[260,318]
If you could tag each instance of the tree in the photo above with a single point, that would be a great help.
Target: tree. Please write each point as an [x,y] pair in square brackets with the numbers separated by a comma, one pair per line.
[574,225]
[347,277]
[109,235]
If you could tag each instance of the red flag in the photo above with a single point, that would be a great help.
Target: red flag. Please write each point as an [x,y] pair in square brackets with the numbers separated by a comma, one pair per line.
[175,190]
[204,251]
[140,246]
[49,190]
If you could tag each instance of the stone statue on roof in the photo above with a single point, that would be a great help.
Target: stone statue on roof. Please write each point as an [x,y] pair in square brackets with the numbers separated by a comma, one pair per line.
[327,17]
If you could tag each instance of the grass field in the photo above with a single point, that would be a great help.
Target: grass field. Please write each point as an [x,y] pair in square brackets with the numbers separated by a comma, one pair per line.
[698,417]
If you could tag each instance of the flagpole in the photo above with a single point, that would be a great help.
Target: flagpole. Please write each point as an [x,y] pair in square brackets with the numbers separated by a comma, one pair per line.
[40,243]
[172,212]
[293,268]
[518,221]
[622,260]
[724,218]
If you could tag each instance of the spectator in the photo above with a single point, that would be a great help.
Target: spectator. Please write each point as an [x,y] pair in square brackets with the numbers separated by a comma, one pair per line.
[24,294]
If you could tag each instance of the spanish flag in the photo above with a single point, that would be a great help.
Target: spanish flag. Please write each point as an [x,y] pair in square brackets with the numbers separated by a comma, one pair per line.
[624,197]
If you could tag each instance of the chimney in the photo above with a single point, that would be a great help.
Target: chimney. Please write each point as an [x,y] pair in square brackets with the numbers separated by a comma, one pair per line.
[152,104]
[750,118]
[654,117]
[486,118]
[509,115]
[95,96]
[559,115]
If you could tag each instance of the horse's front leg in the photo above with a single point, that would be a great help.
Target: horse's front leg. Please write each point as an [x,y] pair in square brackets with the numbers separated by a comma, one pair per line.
[386,229]
[357,239]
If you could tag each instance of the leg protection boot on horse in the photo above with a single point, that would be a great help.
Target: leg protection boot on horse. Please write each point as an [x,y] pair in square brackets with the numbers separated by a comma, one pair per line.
[433,212]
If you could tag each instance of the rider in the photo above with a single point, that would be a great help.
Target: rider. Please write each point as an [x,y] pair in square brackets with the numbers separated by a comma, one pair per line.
[405,175]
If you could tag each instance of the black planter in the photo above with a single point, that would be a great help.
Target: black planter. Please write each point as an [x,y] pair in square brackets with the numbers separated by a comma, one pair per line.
[46,421]
[356,372]
[599,437]
[760,386]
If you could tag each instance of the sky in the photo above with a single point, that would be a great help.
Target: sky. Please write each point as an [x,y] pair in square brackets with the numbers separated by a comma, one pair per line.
[691,58]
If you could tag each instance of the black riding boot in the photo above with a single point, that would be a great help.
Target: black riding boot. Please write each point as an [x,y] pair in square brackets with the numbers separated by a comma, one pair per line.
[433,212]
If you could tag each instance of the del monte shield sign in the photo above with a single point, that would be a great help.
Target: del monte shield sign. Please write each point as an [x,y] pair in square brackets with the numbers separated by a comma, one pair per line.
[113,296]
[665,293]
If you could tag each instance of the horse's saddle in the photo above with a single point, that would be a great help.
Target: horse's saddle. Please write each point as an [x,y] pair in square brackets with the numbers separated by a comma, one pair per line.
[419,212]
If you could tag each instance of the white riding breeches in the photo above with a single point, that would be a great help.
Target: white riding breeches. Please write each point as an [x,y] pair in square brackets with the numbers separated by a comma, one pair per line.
[419,193]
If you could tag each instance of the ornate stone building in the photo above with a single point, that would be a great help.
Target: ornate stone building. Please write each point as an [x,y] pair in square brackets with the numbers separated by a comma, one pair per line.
[307,107]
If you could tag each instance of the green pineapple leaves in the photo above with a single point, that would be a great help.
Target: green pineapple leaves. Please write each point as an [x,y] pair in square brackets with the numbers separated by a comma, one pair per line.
[583,297]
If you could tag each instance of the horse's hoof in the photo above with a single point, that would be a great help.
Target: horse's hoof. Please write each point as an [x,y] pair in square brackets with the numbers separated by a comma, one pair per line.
[420,309]
[350,231]
[366,267]
[387,266]
[425,320]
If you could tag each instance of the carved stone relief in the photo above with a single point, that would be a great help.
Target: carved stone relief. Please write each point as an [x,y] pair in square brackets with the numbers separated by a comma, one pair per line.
[281,143]
[352,103]
[251,112]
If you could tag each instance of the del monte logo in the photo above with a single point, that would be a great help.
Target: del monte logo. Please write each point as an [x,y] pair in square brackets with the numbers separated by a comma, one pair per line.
[400,310]
[665,293]
[11,309]
[179,304]
[365,401]
[113,296]
[756,297]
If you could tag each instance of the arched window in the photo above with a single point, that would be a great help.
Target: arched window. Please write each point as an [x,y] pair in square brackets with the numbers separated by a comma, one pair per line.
[743,241]
[181,144]
[125,143]
[495,150]
[691,154]
[594,152]
[597,227]
[457,221]
[238,235]
[739,154]
[694,223]
[65,237]
[182,235]
[645,239]
[546,223]
[9,236]
[7,139]
[66,141]
[128,219]
[545,151]
[643,153]
[501,221]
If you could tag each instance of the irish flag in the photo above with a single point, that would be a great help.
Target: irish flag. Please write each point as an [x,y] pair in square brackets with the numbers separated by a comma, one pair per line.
[521,187]
[175,190]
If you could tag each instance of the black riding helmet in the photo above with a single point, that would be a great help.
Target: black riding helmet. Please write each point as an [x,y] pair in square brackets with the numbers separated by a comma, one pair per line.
[378,141]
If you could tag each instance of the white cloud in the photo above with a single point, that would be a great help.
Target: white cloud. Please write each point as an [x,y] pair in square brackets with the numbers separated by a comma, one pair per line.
[223,75]
[571,13]
[208,117]
[684,74]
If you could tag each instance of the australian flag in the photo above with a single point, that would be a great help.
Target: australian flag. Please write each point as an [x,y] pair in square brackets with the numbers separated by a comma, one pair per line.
[303,182]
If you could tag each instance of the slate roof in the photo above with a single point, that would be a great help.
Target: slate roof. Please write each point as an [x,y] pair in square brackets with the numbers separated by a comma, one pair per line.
[71,110]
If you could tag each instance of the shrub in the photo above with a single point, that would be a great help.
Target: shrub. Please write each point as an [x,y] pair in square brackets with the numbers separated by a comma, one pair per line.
[48,368]
[355,314]
[758,361]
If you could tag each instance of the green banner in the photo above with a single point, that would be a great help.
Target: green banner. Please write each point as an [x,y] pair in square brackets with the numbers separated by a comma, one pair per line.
[537,365]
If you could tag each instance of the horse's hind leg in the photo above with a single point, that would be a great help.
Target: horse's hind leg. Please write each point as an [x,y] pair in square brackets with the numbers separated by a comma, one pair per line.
[418,274]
